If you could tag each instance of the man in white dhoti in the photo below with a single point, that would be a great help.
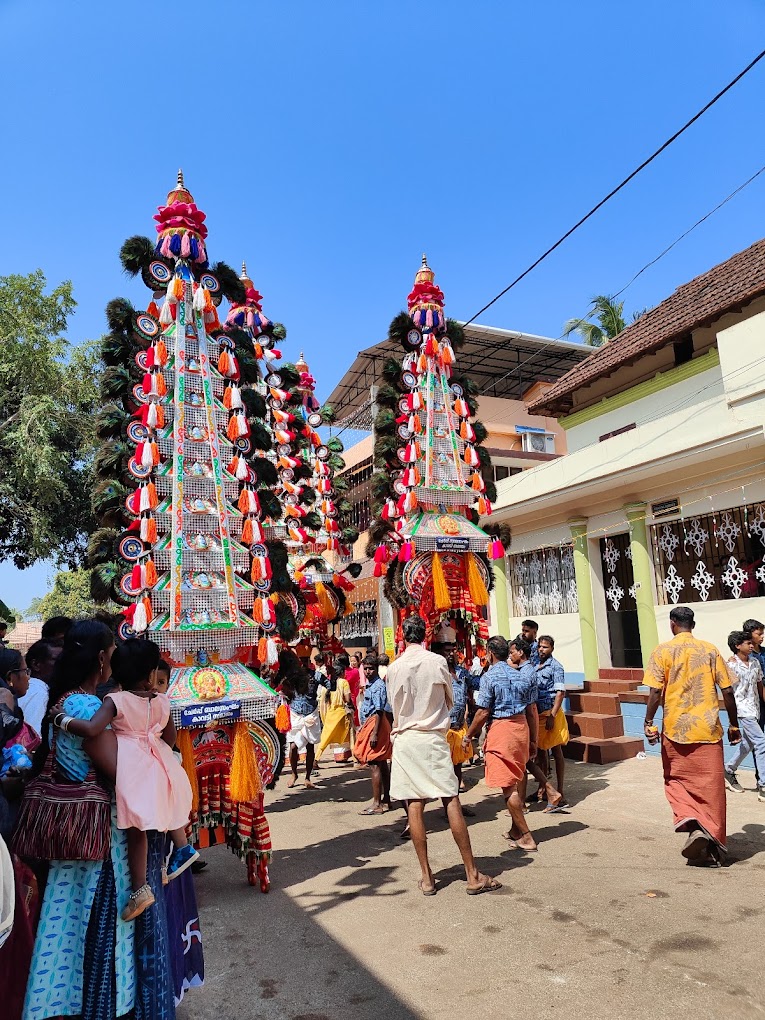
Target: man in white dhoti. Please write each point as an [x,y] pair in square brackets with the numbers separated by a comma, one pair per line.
[420,692]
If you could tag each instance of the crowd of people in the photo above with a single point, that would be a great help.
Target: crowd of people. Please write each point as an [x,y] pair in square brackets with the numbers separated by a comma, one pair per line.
[97,909]
[98,915]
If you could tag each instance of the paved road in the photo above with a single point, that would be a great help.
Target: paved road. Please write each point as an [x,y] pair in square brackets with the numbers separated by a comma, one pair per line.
[606,921]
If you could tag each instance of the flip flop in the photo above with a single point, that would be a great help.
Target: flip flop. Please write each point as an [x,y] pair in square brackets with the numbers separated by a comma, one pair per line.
[488,885]
[552,809]
[426,892]
[371,811]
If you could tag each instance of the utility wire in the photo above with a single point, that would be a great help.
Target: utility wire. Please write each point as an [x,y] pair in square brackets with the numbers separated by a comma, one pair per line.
[550,343]
[619,187]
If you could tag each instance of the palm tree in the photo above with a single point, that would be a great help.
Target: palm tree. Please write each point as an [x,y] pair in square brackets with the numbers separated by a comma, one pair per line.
[609,316]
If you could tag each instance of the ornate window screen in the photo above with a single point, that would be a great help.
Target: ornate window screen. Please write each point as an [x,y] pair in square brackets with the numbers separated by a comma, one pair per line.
[361,623]
[542,582]
[711,557]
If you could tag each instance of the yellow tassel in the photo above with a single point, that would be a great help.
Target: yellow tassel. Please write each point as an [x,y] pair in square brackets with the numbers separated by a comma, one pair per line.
[327,608]
[478,592]
[245,778]
[440,587]
[187,760]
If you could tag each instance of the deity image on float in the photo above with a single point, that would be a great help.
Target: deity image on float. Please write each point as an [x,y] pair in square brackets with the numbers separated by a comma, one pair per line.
[186,489]
[430,486]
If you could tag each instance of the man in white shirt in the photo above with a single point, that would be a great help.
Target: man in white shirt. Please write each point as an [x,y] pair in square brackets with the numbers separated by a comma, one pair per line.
[420,693]
[41,658]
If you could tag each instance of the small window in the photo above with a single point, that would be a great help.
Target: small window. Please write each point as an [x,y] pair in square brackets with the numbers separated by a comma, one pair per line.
[501,472]
[683,350]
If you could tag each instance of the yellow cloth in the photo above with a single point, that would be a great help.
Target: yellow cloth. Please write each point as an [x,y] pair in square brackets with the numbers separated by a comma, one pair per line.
[337,721]
[688,671]
[454,740]
[557,735]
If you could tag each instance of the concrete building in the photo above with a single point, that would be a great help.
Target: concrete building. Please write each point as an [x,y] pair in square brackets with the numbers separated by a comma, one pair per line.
[661,498]
[510,369]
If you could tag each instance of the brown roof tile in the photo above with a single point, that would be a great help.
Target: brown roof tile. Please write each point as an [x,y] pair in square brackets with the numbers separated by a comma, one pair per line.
[698,303]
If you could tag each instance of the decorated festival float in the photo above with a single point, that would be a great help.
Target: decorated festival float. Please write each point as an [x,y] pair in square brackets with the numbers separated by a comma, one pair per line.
[186,494]
[433,478]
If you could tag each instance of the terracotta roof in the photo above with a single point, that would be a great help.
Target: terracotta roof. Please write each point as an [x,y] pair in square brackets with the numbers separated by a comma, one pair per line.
[698,303]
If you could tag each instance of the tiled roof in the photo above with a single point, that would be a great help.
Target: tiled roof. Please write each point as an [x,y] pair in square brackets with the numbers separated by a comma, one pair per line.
[698,303]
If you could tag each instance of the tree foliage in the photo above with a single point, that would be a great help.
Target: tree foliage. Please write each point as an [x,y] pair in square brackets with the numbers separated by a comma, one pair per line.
[69,596]
[609,321]
[47,401]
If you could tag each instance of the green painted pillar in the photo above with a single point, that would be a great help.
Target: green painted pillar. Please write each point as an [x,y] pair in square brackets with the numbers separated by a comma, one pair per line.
[642,570]
[584,596]
[502,622]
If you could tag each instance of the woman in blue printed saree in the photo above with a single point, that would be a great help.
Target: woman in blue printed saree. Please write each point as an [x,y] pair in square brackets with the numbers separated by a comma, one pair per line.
[87,962]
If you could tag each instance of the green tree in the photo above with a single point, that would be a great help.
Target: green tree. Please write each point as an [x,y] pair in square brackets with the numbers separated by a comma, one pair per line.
[47,401]
[609,321]
[69,596]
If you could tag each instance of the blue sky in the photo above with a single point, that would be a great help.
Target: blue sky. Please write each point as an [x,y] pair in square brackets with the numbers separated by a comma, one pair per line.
[330,144]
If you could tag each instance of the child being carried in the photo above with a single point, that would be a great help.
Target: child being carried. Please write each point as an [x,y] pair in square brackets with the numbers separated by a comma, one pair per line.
[153,791]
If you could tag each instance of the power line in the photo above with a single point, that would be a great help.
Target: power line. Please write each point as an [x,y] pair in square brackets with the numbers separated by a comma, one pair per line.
[619,187]
[550,343]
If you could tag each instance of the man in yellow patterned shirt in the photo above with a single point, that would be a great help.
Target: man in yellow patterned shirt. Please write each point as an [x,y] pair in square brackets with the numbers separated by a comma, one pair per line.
[684,675]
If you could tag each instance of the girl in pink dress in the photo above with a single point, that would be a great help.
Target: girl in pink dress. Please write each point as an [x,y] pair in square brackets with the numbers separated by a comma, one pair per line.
[153,792]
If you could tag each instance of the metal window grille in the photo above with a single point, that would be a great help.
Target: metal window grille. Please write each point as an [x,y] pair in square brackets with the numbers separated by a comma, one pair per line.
[542,582]
[359,480]
[712,557]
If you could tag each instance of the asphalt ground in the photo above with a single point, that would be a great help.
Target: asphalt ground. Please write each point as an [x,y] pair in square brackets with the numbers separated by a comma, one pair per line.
[605,921]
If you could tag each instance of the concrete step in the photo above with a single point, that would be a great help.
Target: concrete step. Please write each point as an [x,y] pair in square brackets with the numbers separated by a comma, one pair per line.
[591,724]
[598,704]
[610,686]
[602,751]
[633,675]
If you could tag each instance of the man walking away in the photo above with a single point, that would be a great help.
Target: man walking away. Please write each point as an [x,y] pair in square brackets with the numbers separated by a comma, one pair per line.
[420,691]
[747,690]
[685,674]
[507,701]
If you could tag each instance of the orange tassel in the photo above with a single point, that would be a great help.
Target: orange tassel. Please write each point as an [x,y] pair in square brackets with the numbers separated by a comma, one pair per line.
[232,431]
[160,352]
[224,362]
[152,494]
[161,385]
[247,532]
[177,288]
[151,531]
[152,309]
[151,574]
[147,607]
[227,398]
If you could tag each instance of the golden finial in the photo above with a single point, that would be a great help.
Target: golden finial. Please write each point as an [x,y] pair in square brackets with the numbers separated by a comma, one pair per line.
[301,365]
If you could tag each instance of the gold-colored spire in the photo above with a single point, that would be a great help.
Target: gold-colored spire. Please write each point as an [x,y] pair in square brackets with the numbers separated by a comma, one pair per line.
[424,274]
[301,365]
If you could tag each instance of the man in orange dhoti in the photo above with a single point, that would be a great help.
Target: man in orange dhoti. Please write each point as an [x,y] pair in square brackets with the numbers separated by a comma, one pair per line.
[684,674]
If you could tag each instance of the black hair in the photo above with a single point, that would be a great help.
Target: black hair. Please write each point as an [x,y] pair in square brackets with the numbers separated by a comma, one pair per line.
[530,623]
[164,665]
[547,638]
[133,662]
[10,660]
[498,647]
[737,637]
[749,625]
[84,642]
[370,660]
[319,657]
[38,652]
[3,625]
[343,660]
[683,617]
[291,669]
[521,644]
[383,659]
[55,626]
[413,629]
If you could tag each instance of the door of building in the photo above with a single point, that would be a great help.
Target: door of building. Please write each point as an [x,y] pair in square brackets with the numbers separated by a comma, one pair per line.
[621,606]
